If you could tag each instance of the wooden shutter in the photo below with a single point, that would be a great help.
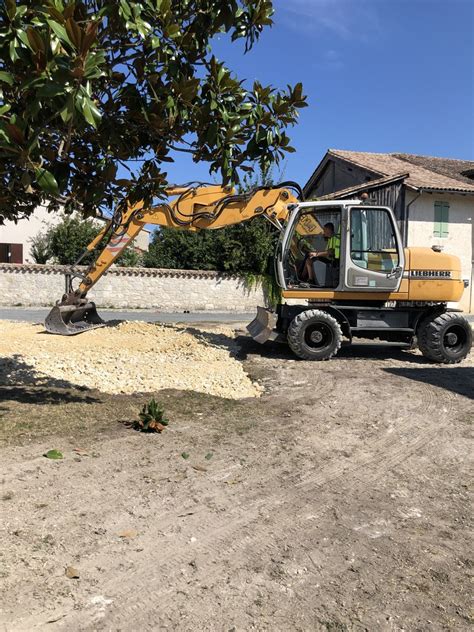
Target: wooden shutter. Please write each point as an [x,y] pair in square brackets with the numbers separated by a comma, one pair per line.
[16,252]
[4,253]
[441,219]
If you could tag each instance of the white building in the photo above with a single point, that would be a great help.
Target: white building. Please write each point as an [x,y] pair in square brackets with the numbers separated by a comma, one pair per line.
[433,198]
[15,239]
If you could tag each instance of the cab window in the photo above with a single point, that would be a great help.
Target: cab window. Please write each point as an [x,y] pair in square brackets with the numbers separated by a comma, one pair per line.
[308,236]
[373,241]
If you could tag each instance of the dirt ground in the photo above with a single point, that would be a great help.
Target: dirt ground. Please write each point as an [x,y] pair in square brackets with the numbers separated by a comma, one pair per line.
[336,501]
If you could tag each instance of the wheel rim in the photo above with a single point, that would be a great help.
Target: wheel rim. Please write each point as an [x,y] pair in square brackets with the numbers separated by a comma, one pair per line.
[454,339]
[318,336]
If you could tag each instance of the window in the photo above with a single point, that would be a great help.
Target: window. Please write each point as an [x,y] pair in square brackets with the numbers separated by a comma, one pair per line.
[11,253]
[309,236]
[373,241]
[441,219]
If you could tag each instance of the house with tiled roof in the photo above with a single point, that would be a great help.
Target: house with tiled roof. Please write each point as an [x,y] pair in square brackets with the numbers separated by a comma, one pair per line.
[433,198]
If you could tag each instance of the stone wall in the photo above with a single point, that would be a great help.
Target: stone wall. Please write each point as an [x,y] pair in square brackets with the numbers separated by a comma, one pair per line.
[164,290]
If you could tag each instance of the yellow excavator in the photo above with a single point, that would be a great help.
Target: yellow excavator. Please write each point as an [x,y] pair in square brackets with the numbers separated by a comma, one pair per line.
[341,262]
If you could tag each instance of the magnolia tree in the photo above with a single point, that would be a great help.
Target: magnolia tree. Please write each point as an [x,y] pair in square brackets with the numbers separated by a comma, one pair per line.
[88,86]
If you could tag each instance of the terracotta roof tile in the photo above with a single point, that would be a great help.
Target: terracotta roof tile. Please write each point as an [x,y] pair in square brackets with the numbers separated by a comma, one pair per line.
[420,177]
[445,166]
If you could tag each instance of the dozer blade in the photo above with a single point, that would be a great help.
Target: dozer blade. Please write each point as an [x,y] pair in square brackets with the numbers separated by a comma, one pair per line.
[69,320]
[262,327]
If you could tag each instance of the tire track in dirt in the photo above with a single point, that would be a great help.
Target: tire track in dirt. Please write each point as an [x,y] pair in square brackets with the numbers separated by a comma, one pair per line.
[389,450]
[241,527]
[392,449]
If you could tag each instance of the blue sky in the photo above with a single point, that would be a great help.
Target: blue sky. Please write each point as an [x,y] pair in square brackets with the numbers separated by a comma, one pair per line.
[380,75]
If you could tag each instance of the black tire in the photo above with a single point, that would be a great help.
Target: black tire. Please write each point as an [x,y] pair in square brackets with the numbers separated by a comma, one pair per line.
[445,338]
[314,335]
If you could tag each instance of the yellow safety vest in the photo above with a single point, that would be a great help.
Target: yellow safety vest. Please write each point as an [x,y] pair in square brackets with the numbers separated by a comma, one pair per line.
[334,244]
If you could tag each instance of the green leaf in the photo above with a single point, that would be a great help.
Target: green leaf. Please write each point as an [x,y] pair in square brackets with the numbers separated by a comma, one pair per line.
[6,77]
[50,89]
[185,455]
[67,112]
[59,31]
[125,9]
[47,181]
[95,112]
[24,38]
[13,52]
[173,30]
[53,454]
[86,110]
[91,66]
[11,9]
[209,456]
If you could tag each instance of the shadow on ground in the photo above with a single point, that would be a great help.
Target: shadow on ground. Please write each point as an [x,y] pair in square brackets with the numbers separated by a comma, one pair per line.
[216,339]
[355,351]
[457,379]
[243,346]
[44,396]
[20,381]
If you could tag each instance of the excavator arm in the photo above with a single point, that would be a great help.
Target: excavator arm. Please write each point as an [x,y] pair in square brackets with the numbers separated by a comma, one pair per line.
[192,208]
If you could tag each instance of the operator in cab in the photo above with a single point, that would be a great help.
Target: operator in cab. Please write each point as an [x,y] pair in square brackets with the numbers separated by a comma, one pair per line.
[330,255]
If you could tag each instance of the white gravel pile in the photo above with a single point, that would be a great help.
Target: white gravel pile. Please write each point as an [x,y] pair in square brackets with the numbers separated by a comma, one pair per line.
[127,357]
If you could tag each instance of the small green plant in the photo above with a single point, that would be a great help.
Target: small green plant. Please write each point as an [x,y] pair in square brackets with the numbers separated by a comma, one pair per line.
[151,418]
[53,454]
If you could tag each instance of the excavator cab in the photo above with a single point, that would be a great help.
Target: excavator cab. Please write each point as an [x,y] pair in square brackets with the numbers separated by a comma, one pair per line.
[364,254]
[369,259]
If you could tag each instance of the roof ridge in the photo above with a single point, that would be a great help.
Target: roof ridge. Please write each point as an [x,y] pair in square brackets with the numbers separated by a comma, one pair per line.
[354,151]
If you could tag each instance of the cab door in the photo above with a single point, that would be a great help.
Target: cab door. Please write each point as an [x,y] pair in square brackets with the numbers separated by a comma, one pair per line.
[373,250]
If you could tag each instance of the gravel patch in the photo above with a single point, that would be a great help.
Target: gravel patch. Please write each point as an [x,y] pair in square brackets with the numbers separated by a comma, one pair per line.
[126,357]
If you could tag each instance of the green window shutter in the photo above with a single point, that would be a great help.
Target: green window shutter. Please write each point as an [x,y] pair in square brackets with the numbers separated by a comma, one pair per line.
[437,219]
[441,219]
[445,220]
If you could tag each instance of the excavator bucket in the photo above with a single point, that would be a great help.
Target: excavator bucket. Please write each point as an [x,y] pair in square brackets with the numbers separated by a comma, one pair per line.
[262,327]
[69,320]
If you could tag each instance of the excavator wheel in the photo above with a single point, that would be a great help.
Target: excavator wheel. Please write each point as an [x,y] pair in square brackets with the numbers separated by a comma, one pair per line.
[445,338]
[314,335]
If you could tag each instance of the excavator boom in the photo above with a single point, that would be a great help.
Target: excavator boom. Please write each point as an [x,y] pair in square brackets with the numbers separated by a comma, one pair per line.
[192,208]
